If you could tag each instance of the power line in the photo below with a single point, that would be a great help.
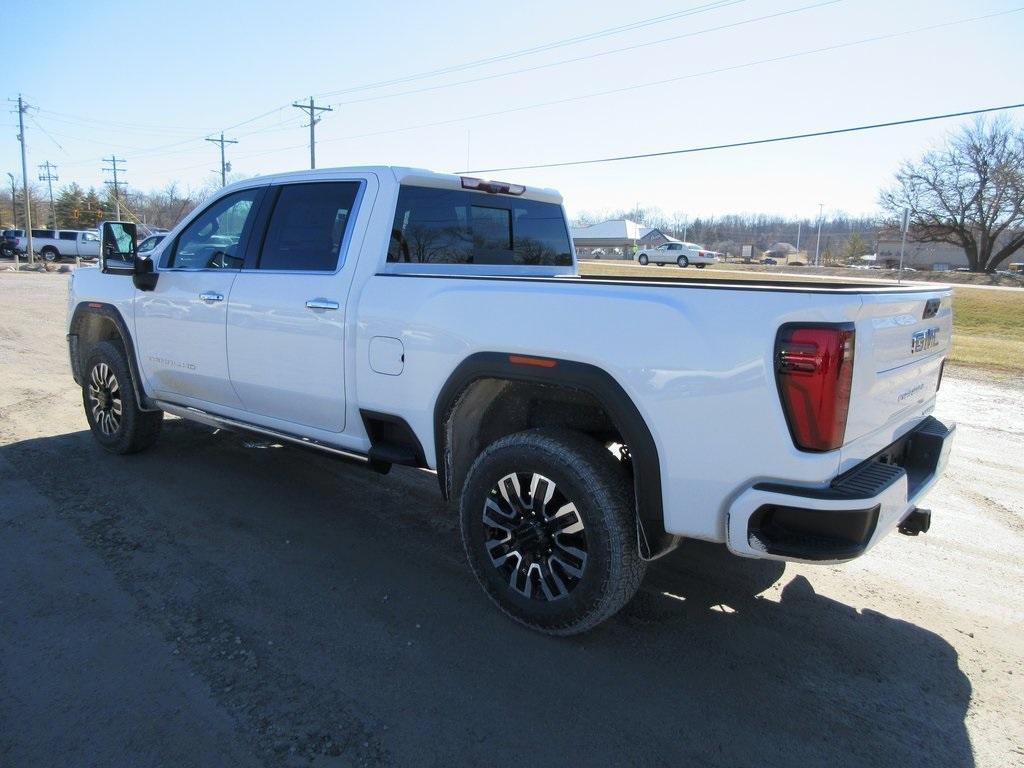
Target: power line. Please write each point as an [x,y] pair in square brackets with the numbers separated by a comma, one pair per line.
[155,151]
[83,121]
[115,184]
[590,56]
[223,166]
[750,143]
[312,109]
[667,81]
[539,48]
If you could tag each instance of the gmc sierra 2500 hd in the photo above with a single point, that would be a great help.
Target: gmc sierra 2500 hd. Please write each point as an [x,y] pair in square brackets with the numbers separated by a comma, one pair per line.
[398,316]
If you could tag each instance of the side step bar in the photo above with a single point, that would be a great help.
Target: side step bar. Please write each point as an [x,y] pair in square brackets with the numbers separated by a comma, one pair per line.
[231,425]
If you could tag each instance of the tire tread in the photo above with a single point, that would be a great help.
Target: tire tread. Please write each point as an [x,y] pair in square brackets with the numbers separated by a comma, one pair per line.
[598,470]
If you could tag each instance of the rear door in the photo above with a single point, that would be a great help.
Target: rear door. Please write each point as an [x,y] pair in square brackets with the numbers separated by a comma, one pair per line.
[287,315]
[901,341]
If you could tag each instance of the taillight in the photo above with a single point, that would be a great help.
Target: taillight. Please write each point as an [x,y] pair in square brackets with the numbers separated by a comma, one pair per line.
[814,368]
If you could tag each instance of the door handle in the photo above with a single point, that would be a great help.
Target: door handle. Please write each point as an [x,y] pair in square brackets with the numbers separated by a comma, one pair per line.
[210,296]
[322,304]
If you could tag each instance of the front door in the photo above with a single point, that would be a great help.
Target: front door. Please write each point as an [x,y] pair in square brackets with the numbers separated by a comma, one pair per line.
[286,318]
[180,325]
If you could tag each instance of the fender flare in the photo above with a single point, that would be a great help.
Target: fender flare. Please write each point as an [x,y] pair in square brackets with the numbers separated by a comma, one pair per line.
[109,312]
[598,383]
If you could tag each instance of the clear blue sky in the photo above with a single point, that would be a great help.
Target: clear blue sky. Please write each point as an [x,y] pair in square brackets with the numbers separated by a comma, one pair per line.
[149,81]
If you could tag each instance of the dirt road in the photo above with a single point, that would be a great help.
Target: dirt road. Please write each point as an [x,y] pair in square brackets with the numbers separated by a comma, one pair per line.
[215,602]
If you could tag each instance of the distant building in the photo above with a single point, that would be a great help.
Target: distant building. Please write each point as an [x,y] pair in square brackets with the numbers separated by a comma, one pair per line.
[935,257]
[616,239]
[653,237]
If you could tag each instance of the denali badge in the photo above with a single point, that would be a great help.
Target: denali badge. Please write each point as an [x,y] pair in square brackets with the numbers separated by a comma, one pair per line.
[923,340]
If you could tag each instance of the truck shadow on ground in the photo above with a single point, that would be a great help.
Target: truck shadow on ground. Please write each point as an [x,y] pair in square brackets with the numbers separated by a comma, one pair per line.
[355,630]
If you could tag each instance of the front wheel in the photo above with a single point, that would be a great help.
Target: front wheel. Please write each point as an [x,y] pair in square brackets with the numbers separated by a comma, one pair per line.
[549,529]
[643,260]
[115,418]
[683,262]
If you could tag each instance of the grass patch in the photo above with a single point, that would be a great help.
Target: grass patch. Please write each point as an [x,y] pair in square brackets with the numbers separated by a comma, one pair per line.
[988,330]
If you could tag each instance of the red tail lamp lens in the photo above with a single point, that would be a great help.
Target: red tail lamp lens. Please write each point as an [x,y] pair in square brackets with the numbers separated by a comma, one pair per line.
[814,365]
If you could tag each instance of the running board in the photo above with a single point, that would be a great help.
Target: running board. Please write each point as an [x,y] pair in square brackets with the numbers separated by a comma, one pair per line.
[222,422]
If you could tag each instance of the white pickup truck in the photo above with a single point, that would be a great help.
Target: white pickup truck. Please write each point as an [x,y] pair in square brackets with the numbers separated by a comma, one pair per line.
[397,316]
[57,244]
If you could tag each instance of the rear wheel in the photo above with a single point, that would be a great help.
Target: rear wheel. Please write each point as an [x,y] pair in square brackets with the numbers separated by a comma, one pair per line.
[700,266]
[115,418]
[683,262]
[50,254]
[549,530]
[643,260]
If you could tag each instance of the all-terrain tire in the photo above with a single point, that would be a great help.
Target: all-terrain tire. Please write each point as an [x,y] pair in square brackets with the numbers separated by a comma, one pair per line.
[585,479]
[111,408]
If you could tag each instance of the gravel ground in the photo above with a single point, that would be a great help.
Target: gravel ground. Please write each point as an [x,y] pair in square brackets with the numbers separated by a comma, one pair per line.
[215,602]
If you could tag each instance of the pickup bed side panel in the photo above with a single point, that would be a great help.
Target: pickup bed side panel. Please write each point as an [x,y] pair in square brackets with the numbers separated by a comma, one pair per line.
[703,382]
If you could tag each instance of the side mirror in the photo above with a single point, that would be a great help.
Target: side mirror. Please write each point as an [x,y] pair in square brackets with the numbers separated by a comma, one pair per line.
[117,247]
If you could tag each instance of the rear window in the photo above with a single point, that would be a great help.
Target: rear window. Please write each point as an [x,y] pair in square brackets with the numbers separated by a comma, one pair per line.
[448,226]
[68,235]
[44,233]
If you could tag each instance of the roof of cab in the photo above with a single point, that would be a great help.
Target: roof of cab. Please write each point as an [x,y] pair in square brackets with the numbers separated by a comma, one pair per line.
[401,174]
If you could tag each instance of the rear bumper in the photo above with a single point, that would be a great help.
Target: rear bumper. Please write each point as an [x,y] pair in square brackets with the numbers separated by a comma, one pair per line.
[778,521]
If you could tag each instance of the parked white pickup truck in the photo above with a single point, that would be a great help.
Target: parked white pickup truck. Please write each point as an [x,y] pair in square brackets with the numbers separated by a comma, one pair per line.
[57,244]
[398,316]
[678,253]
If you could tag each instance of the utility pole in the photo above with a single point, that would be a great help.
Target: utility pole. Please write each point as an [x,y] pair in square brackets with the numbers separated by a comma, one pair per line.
[14,200]
[223,166]
[799,226]
[47,174]
[22,108]
[817,245]
[312,109]
[114,160]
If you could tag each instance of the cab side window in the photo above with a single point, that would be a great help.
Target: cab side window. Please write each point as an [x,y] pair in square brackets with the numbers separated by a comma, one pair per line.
[217,238]
[308,225]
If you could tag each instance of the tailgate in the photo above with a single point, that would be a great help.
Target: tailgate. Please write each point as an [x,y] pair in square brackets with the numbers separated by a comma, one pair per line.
[902,339]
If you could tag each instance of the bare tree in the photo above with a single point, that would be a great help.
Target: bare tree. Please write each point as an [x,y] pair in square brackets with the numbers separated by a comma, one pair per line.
[969,193]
